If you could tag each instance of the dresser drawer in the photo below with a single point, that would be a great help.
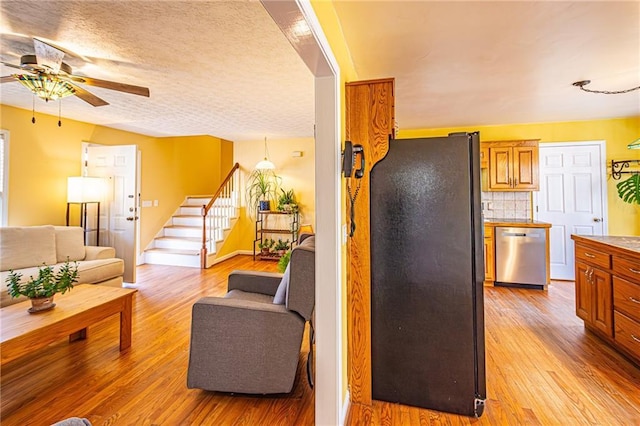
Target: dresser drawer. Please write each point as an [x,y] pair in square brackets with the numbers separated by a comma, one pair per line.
[627,333]
[593,257]
[627,268]
[626,297]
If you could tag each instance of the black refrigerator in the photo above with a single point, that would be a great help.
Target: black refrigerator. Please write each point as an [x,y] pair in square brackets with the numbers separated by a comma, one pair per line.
[427,272]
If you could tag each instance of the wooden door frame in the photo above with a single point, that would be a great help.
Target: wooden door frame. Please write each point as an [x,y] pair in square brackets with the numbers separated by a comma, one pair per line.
[316,53]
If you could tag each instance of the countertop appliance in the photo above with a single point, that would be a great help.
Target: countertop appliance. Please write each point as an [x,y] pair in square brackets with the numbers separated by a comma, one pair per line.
[521,256]
[427,272]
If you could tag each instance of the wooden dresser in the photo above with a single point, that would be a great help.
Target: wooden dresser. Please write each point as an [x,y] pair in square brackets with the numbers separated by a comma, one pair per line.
[608,289]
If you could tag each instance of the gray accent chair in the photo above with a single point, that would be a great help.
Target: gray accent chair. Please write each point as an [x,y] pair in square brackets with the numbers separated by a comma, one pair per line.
[245,342]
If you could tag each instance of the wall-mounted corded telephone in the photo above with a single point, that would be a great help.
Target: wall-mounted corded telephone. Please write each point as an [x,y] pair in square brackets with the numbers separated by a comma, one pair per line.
[349,155]
[349,158]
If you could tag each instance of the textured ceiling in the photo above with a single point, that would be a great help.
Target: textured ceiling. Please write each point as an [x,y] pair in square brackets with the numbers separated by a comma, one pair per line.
[221,68]
[470,63]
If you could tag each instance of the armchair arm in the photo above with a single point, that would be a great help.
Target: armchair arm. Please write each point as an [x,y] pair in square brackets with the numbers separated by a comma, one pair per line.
[94,252]
[254,282]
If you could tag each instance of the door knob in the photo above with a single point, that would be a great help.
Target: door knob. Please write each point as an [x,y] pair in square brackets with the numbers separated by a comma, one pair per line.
[597,219]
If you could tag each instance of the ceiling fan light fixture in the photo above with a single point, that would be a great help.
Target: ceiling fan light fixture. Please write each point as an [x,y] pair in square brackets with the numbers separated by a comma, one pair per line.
[45,87]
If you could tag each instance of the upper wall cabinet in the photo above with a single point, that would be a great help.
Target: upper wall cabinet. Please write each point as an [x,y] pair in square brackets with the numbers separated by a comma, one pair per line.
[512,165]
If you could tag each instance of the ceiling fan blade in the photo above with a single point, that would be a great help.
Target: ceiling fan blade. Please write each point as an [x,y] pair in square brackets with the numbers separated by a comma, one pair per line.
[11,65]
[7,79]
[47,55]
[89,97]
[121,87]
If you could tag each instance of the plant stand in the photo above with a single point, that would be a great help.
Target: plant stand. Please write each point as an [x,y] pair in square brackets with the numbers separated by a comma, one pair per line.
[271,223]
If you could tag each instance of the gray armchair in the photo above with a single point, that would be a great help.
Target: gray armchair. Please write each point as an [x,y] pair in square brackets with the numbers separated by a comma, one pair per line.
[249,340]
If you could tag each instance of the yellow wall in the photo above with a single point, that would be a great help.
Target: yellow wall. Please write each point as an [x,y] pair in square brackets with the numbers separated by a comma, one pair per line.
[297,173]
[43,155]
[624,218]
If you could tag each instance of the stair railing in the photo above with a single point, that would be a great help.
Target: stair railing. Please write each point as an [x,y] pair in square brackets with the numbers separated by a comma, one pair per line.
[223,205]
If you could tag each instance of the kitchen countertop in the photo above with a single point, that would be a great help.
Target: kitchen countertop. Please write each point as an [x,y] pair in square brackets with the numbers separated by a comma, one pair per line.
[523,223]
[625,244]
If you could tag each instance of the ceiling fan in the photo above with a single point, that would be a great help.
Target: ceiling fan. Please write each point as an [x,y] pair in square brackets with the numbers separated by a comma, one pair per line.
[51,79]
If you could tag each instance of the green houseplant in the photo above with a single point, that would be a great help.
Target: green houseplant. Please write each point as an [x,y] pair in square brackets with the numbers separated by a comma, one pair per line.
[262,186]
[283,262]
[629,190]
[265,246]
[42,289]
[282,246]
[287,201]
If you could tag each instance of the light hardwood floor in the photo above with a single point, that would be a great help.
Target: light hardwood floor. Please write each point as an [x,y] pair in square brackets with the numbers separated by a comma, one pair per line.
[542,368]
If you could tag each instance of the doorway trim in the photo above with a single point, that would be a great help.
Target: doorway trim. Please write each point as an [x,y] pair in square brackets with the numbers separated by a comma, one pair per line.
[602,146]
[316,53]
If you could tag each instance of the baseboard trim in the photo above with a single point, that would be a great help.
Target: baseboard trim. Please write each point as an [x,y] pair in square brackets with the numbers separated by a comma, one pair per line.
[345,409]
[232,254]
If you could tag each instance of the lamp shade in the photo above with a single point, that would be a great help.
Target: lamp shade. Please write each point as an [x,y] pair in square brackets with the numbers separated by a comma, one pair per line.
[84,189]
[265,165]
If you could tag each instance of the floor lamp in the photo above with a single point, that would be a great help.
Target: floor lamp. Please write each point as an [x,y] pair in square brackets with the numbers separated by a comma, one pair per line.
[83,190]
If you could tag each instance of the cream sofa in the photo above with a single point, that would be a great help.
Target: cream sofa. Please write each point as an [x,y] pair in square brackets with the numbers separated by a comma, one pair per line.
[24,249]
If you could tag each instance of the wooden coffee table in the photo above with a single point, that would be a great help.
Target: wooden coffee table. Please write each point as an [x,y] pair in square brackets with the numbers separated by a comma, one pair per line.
[84,305]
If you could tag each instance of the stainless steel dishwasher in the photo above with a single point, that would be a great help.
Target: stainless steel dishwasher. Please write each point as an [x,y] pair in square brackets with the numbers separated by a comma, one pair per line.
[521,256]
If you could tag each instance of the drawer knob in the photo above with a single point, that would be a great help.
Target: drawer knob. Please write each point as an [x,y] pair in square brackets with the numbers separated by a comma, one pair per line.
[589,255]
[635,271]
[633,336]
[634,300]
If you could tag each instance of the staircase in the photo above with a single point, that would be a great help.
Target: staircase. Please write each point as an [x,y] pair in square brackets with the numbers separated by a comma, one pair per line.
[197,229]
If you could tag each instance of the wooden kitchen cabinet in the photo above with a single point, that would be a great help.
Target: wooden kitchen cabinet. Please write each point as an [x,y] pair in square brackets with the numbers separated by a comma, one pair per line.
[512,165]
[594,296]
[608,290]
[489,256]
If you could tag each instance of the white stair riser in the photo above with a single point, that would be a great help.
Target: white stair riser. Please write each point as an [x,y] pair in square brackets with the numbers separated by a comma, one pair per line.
[177,244]
[197,201]
[204,201]
[172,259]
[186,220]
[183,232]
[215,211]
[194,211]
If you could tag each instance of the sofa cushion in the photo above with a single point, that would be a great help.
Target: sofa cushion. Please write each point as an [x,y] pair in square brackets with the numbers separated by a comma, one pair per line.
[69,243]
[248,296]
[21,247]
[94,271]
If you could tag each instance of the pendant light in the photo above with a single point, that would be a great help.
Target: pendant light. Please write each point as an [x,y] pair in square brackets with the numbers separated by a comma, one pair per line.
[634,145]
[265,164]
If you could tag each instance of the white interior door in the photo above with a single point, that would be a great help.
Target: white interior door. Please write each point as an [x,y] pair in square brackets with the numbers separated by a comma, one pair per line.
[119,165]
[572,198]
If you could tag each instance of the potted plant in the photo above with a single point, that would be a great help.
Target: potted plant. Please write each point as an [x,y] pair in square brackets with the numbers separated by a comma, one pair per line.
[287,201]
[42,289]
[262,186]
[265,246]
[281,246]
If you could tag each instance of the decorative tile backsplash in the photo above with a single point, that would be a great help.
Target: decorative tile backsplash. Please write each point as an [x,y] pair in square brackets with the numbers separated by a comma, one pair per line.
[507,205]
